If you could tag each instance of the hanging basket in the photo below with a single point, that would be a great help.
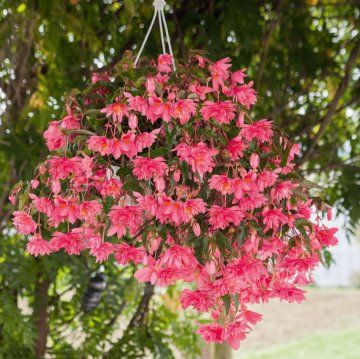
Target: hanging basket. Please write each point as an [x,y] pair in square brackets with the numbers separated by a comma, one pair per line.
[170,171]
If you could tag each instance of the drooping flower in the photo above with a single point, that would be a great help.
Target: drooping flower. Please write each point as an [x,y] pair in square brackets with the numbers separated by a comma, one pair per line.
[222,217]
[24,222]
[100,144]
[261,131]
[71,242]
[146,139]
[201,299]
[165,63]
[199,157]
[222,183]
[222,112]
[183,110]
[245,94]
[122,218]
[55,139]
[212,332]
[147,168]
[219,72]
[125,253]
[236,147]
[89,210]
[117,110]
[102,251]
[38,246]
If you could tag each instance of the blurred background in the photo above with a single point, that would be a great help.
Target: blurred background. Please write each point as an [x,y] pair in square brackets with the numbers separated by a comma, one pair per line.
[304,58]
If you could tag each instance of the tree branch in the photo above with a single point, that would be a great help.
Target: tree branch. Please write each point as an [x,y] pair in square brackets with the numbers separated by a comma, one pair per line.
[333,105]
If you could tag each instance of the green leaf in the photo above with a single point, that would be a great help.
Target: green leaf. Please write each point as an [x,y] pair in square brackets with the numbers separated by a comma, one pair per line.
[227,301]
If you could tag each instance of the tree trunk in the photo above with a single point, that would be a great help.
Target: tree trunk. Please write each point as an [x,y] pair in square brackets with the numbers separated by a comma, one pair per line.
[40,313]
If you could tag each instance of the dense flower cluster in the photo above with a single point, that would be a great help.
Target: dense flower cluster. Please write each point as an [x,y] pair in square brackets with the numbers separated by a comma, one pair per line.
[169,172]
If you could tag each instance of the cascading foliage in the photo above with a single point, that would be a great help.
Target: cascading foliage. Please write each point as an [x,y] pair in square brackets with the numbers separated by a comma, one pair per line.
[170,172]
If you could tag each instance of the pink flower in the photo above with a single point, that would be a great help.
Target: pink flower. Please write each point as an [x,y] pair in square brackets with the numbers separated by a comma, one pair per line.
[220,72]
[222,112]
[146,203]
[146,139]
[191,207]
[70,122]
[288,292]
[111,187]
[98,76]
[196,229]
[117,110]
[235,332]
[200,90]
[236,147]
[150,85]
[183,110]
[212,332]
[222,183]
[165,63]
[89,210]
[254,160]
[158,109]
[125,253]
[65,209]
[71,242]
[238,76]
[24,222]
[38,246]
[283,190]
[221,217]
[245,94]
[125,146]
[55,139]
[199,157]
[100,144]
[266,179]
[201,299]
[42,204]
[273,218]
[133,121]
[169,211]
[147,168]
[325,236]
[137,103]
[124,217]
[149,272]
[178,257]
[62,167]
[261,131]
[102,251]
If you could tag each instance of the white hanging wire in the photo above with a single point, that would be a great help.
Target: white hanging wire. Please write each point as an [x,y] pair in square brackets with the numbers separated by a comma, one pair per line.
[158,12]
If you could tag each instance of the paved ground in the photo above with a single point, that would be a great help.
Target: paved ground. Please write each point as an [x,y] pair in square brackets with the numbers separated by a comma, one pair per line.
[283,323]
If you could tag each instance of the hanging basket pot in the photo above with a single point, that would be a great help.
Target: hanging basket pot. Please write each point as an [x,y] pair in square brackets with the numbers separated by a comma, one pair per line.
[169,171]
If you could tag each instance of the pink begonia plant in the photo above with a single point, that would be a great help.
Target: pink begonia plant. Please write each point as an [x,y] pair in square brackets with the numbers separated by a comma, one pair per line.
[168,171]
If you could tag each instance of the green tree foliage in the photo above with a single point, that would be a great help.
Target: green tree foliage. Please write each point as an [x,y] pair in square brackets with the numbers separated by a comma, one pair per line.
[303,57]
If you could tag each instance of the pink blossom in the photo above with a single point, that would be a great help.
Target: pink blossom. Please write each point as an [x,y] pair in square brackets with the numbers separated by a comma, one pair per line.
[200,90]
[137,103]
[219,72]
[222,112]
[273,218]
[147,203]
[133,121]
[24,222]
[124,217]
[245,94]
[65,209]
[236,147]
[71,242]
[117,110]
[158,109]
[199,157]
[70,122]
[38,246]
[192,207]
[254,160]
[261,131]
[125,253]
[283,190]
[147,168]
[169,211]
[212,332]
[266,179]
[178,257]
[42,204]
[288,292]
[146,139]
[111,187]
[222,183]
[201,299]
[325,236]
[183,110]
[99,76]
[238,76]
[99,144]
[222,217]
[55,139]
[165,63]
[102,251]
[89,210]
[62,167]
[235,332]
[125,146]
